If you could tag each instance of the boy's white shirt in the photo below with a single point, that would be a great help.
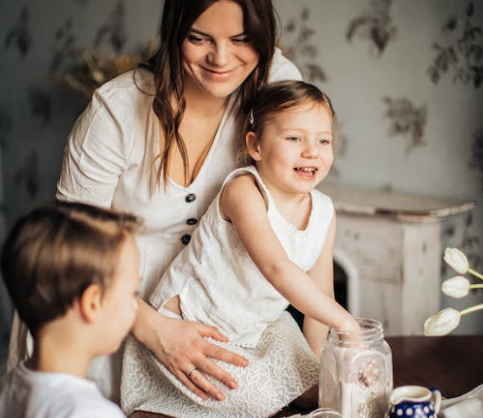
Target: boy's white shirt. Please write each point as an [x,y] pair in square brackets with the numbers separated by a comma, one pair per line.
[25,393]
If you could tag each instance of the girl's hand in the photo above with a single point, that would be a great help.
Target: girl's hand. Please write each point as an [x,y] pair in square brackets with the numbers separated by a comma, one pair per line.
[182,347]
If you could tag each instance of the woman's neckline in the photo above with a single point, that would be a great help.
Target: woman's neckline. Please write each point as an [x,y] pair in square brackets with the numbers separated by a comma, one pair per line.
[213,146]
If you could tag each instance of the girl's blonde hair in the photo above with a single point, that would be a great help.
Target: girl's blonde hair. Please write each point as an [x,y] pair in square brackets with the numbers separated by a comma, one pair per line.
[279,97]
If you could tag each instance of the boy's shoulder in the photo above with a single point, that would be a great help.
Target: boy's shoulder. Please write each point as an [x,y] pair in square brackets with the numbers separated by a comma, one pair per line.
[26,393]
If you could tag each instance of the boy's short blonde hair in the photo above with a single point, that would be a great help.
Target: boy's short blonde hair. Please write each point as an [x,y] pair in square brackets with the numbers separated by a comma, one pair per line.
[53,254]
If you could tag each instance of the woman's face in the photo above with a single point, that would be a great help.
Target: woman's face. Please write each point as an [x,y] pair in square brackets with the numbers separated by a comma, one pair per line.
[217,54]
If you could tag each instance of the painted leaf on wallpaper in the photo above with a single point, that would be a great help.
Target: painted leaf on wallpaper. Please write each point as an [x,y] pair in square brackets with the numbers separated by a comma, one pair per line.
[301,49]
[470,9]
[113,30]
[5,126]
[40,104]
[451,23]
[406,120]
[28,176]
[19,36]
[476,161]
[460,52]
[470,244]
[64,50]
[375,25]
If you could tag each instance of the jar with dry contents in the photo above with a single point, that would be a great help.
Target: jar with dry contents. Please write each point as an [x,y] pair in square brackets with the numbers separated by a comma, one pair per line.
[356,371]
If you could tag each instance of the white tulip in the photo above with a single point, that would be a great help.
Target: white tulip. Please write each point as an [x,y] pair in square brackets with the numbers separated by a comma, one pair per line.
[456,287]
[442,323]
[456,260]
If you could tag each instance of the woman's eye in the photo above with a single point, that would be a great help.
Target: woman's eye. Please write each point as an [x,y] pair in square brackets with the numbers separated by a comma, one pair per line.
[294,138]
[194,39]
[243,40]
[325,141]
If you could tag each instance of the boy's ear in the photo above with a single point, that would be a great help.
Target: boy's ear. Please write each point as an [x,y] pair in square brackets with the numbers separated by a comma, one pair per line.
[253,147]
[91,302]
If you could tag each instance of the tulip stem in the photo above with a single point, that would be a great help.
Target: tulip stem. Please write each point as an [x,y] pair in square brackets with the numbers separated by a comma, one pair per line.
[476,286]
[471,309]
[475,273]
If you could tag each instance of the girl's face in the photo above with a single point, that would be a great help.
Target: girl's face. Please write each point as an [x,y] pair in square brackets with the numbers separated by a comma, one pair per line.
[294,152]
[217,54]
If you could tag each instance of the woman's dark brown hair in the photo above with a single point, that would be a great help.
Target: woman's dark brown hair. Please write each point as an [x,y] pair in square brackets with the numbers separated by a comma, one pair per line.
[260,26]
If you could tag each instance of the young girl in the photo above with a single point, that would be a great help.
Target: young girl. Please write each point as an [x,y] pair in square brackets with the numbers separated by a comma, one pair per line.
[266,241]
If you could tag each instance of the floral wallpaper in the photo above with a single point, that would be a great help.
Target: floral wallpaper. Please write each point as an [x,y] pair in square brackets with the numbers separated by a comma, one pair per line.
[459,53]
[405,78]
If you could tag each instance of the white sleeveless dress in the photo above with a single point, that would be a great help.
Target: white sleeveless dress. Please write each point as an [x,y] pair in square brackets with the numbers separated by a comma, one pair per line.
[219,285]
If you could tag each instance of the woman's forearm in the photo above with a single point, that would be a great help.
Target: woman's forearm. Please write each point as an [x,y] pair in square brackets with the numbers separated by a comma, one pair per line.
[147,321]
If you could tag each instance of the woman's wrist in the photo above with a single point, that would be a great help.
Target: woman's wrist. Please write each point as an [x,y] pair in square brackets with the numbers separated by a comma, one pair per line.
[143,325]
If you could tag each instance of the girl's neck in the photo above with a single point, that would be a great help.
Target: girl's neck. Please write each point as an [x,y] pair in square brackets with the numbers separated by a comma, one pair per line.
[295,208]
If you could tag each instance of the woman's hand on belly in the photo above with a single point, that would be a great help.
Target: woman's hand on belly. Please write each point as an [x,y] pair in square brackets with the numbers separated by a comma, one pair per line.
[182,347]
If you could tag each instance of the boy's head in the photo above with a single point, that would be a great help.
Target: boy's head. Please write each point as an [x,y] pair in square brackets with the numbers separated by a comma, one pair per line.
[60,252]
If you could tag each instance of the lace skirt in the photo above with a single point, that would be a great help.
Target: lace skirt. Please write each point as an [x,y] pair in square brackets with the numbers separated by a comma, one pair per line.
[282,367]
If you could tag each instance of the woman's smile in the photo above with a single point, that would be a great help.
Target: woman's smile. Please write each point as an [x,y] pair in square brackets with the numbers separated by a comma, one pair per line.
[217,74]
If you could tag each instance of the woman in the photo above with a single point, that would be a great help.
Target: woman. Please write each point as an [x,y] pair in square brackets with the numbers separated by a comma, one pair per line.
[158,142]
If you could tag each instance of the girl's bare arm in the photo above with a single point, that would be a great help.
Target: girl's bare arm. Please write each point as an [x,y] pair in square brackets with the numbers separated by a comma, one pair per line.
[242,203]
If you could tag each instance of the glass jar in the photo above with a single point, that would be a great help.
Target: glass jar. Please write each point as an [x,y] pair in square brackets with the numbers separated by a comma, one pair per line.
[324,413]
[356,372]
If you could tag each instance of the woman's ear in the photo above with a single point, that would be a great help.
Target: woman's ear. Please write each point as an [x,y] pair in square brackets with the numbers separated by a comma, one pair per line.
[253,146]
[91,302]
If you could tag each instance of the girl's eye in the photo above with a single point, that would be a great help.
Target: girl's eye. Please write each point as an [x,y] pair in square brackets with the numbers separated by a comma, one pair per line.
[325,141]
[294,139]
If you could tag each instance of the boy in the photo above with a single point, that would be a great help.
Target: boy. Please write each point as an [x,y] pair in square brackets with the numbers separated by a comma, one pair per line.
[72,271]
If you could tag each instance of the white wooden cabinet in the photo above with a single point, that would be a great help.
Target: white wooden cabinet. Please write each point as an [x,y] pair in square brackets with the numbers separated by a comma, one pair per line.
[389,246]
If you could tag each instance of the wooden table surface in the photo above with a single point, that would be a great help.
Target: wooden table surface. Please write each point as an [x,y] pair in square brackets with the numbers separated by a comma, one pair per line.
[452,364]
